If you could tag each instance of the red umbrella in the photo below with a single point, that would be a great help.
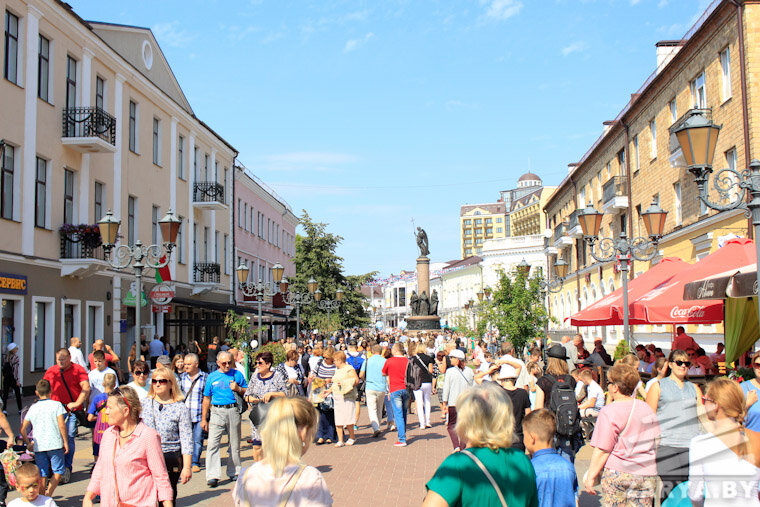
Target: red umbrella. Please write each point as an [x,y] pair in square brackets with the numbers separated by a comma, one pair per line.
[608,311]
[666,305]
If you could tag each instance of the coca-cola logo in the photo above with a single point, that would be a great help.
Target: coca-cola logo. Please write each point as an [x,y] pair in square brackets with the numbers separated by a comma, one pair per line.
[706,290]
[691,312]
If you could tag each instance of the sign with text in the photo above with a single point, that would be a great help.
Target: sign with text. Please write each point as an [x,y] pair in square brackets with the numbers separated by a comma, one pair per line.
[12,284]
[161,308]
[162,294]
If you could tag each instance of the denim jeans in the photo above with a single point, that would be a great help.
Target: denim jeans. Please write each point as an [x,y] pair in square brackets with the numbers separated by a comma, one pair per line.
[399,402]
[326,427]
[71,429]
[197,443]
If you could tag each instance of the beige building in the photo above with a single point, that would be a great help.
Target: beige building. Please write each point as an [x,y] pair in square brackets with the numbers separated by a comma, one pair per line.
[527,216]
[94,119]
[636,160]
[479,223]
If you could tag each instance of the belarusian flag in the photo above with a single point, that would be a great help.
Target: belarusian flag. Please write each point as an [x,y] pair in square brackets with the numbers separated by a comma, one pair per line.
[163,274]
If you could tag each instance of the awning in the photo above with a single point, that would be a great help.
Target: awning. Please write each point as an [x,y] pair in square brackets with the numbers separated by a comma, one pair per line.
[608,311]
[735,283]
[224,307]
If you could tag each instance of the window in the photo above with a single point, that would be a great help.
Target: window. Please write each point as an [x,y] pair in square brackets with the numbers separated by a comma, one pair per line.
[245,216]
[11,47]
[97,202]
[731,163]
[269,229]
[154,225]
[216,171]
[205,167]
[6,199]
[240,213]
[157,141]
[131,220]
[623,224]
[621,162]
[71,93]
[181,241]
[653,139]
[40,193]
[698,91]
[499,220]
[478,221]
[68,196]
[582,198]
[196,154]
[205,244]
[253,225]
[226,254]
[489,221]
[468,232]
[468,222]
[677,202]
[196,256]
[181,157]
[635,153]
[489,230]
[132,126]
[499,230]
[42,327]
[217,243]
[725,73]
[43,69]
[468,252]
[673,111]
[100,93]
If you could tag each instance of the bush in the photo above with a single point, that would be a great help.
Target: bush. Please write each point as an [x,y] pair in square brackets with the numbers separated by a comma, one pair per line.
[277,350]
[621,350]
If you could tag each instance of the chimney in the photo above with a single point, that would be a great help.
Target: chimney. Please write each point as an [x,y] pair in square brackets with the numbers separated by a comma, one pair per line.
[571,167]
[666,50]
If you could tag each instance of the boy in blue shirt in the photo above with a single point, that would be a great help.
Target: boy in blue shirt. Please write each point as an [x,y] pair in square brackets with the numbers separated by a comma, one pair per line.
[556,479]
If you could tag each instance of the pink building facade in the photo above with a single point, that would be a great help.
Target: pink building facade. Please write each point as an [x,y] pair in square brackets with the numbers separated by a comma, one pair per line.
[264,234]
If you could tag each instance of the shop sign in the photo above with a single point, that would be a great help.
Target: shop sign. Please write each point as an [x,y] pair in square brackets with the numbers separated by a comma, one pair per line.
[130,298]
[12,284]
[161,308]
[162,294]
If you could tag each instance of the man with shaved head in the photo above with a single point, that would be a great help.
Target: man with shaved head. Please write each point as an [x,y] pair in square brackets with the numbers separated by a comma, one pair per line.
[111,356]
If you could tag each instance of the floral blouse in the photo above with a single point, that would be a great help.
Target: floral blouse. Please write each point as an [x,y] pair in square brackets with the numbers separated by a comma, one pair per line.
[172,422]
[258,387]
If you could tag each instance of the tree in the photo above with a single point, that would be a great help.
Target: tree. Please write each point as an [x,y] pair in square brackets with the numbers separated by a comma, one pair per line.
[316,257]
[516,309]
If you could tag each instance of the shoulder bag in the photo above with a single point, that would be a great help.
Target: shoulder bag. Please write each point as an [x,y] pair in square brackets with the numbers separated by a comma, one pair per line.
[290,487]
[79,414]
[190,390]
[487,474]
[119,503]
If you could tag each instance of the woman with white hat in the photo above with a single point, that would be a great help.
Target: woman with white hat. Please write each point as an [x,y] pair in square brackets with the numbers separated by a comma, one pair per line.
[10,376]
[458,378]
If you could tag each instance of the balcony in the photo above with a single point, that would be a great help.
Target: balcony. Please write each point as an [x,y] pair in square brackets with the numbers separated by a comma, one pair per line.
[206,276]
[549,248]
[573,226]
[88,130]
[81,254]
[615,194]
[209,195]
[562,237]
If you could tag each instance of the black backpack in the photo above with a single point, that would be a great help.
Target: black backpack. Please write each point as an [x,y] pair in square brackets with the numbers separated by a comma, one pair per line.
[413,375]
[562,402]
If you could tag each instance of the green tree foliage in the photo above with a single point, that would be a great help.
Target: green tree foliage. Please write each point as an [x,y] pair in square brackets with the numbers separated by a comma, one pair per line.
[516,309]
[316,257]
[622,350]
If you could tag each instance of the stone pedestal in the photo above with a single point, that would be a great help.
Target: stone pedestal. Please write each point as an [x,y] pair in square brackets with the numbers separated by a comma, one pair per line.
[423,275]
[423,323]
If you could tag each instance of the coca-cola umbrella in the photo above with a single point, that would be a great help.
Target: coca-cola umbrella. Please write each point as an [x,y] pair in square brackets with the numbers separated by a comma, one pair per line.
[608,311]
[666,304]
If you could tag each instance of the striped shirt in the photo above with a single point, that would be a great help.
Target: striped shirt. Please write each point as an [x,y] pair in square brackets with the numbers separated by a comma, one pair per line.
[193,400]
[324,370]
[142,478]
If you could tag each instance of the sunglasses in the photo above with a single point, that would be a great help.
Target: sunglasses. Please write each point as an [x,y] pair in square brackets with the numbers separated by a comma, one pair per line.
[756,365]
[261,362]
[141,372]
[162,381]
[683,363]
[705,399]
[225,363]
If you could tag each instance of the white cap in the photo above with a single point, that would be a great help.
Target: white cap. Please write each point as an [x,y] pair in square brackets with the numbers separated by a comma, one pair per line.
[457,353]
[507,371]
[11,346]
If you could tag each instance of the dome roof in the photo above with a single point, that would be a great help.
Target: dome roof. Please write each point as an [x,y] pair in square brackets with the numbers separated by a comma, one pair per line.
[529,177]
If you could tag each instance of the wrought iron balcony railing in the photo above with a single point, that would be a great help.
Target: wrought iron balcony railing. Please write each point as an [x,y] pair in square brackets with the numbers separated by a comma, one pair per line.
[208,191]
[89,122]
[206,272]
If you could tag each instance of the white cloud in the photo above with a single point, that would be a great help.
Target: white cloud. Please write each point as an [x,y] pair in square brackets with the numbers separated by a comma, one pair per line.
[354,44]
[502,9]
[171,34]
[634,2]
[575,47]
[662,3]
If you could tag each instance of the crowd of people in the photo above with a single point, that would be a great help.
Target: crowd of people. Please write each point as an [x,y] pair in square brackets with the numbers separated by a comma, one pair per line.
[515,420]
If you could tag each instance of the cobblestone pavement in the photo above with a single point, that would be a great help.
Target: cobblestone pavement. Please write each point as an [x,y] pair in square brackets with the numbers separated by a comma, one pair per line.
[373,472]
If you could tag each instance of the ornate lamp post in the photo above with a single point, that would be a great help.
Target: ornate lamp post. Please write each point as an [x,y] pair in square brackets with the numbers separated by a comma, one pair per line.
[623,249]
[259,290]
[298,299]
[328,304]
[552,286]
[139,256]
[698,137]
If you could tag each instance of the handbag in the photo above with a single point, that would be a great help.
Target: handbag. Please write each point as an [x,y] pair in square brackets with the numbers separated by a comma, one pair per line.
[487,474]
[328,403]
[119,503]
[259,413]
[79,414]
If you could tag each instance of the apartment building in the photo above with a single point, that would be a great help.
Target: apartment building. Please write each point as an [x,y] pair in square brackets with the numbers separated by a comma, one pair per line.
[265,235]
[94,120]
[636,161]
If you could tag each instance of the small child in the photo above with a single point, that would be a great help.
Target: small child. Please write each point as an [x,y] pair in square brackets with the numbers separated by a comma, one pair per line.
[594,395]
[534,371]
[28,483]
[555,476]
[97,375]
[97,412]
[51,441]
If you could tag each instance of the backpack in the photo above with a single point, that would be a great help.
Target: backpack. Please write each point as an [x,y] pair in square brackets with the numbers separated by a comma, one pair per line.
[562,402]
[413,375]
[356,362]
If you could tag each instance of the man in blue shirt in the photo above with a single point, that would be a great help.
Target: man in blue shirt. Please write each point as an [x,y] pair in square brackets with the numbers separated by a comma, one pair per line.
[219,400]
[156,348]
[556,479]
[372,373]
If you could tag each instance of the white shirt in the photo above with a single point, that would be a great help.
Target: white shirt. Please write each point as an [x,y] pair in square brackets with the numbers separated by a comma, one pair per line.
[650,383]
[40,501]
[142,392]
[594,390]
[78,358]
[96,381]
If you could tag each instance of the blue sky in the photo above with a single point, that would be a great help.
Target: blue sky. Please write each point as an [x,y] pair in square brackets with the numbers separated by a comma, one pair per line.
[369,114]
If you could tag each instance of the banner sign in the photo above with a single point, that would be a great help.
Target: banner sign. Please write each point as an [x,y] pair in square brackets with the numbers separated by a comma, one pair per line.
[12,284]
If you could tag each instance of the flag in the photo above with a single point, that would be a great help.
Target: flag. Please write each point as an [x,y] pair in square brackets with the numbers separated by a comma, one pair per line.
[163,274]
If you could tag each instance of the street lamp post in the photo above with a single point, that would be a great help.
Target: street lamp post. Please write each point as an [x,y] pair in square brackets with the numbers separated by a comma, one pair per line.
[328,304]
[138,256]
[259,290]
[298,299]
[623,249]
[551,286]
[698,137]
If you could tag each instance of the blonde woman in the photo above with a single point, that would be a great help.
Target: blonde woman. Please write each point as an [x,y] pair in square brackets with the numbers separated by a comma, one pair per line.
[721,462]
[165,411]
[281,478]
[344,393]
[489,471]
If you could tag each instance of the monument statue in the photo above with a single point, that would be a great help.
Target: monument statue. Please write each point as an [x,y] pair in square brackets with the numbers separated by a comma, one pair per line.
[422,242]
[434,302]
[424,304]
[414,302]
